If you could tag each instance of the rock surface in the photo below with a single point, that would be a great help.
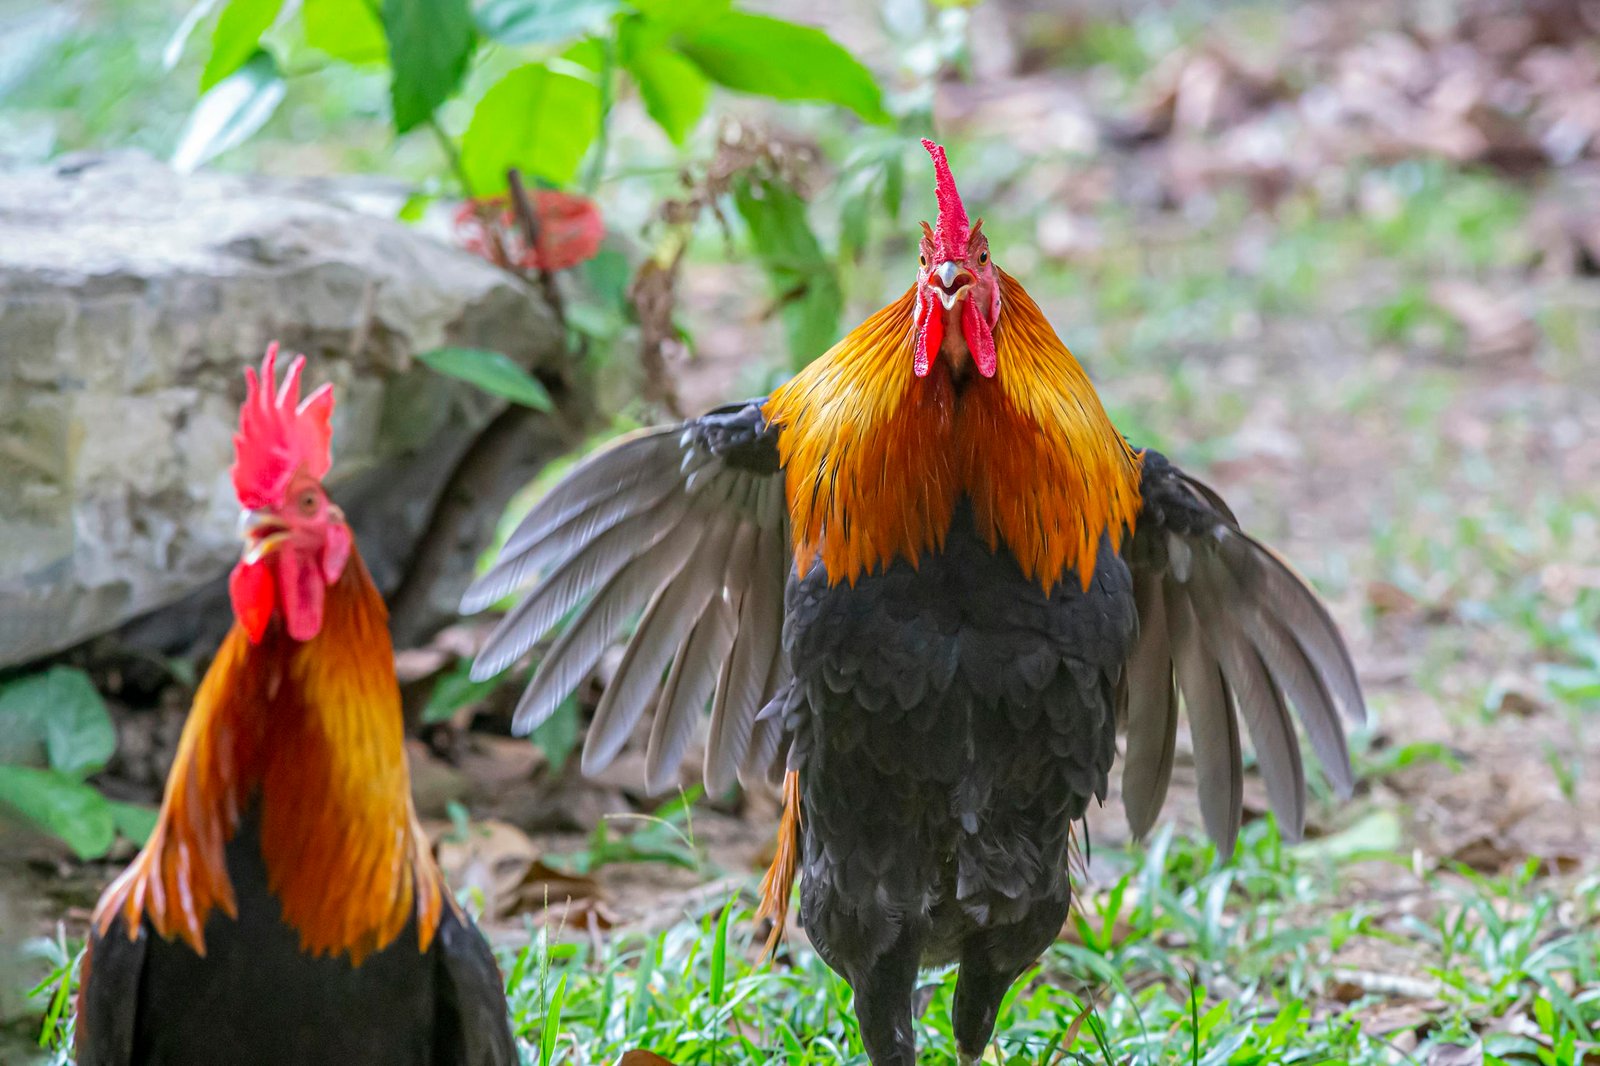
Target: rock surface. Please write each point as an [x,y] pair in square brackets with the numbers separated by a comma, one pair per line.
[131,298]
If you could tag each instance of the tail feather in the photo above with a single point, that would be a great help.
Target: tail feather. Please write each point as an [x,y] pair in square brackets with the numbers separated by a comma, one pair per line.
[777,886]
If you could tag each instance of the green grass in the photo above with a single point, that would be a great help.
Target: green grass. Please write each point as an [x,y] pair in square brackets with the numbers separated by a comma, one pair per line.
[1178,960]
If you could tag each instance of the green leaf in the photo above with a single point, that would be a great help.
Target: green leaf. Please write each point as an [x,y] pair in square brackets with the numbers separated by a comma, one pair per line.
[782,60]
[67,809]
[492,372]
[133,821]
[430,42]
[226,116]
[534,119]
[345,29]
[803,278]
[61,707]
[719,956]
[236,37]
[456,690]
[672,88]
[678,14]
[550,1029]
[543,21]
[415,207]
[557,736]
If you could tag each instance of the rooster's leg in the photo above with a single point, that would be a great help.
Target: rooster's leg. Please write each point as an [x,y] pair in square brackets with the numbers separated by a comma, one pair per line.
[883,1002]
[993,958]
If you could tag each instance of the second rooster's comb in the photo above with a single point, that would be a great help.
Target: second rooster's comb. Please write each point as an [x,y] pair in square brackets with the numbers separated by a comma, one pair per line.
[279,434]
[952,227]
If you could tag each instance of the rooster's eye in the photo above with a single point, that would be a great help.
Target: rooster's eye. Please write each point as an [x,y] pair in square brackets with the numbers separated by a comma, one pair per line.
[983,257]
[308,502]
[922,260]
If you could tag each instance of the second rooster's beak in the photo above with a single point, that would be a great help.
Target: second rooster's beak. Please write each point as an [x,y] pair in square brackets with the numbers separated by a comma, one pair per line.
[951,281]
[262,532]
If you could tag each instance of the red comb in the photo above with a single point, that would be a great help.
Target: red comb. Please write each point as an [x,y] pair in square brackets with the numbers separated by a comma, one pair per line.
[278,434]
[951,227]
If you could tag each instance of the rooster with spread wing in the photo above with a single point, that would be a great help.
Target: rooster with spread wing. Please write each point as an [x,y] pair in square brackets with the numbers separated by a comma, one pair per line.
[925,582]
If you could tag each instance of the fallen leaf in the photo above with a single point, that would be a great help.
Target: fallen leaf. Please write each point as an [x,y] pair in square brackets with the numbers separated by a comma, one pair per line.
[1456,1055]
[493,857]
[641,1057]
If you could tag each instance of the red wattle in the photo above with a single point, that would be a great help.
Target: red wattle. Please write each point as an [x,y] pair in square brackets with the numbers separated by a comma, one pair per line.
[980,339]
[301,585]
[929,338]
[250,589]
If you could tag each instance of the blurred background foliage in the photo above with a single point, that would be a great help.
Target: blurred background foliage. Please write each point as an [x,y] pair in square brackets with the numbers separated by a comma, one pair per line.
[1341,257]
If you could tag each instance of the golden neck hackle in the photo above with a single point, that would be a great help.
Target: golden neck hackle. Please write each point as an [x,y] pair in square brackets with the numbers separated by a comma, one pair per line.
[877,459]
[309,736]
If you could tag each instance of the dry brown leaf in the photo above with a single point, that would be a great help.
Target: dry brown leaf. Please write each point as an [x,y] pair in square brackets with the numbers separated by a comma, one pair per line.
[641,1057]
[1496,324]
[1456,1055]
[493,857]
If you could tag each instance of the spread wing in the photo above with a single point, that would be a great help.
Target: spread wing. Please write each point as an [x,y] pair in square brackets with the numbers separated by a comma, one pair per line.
[1226,623]
[687,523]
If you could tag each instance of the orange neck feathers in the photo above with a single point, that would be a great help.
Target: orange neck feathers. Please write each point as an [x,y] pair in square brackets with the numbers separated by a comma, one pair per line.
[310,736]
[876,459]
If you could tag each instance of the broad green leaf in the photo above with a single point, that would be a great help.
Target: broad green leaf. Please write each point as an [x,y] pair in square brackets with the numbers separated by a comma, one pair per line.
[455,690]
[672,88]
[415,207]
[492,372]
[133,821]
[226,116]
[61,707]
[345,29]
[66,808]
[236,37]
[557,736]
[534,119]
[803,278]
[677,14]
[180,37]
[430,42]
[608,275]
[543,21]
[783,60]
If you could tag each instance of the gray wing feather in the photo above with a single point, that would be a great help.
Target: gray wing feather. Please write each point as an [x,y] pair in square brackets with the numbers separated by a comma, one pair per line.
[689,684]
[1152,710]
[743,682]
[659,636]
[1246,637]
[1213,729]
[688,523]
[576,653]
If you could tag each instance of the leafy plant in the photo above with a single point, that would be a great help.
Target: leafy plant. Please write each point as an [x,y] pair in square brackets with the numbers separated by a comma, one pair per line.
[537,82]
[55,732]
[560,66]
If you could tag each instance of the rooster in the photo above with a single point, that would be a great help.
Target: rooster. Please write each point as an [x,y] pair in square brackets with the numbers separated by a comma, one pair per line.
[287,908]
[926,581]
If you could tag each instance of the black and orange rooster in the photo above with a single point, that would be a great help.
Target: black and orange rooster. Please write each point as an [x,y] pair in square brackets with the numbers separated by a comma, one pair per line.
[929,579]
[287,908]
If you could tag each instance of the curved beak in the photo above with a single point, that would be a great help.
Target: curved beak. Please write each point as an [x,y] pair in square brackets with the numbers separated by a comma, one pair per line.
[951,281]
[262,532]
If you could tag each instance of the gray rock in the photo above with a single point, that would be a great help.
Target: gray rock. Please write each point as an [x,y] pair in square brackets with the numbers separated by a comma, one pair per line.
[131,299]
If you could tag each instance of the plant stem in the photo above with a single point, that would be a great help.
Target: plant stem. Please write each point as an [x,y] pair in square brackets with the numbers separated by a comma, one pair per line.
[452,155]
[597,164]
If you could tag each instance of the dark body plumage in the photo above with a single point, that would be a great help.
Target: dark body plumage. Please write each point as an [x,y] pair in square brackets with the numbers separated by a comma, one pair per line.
[255,999]
[951,721]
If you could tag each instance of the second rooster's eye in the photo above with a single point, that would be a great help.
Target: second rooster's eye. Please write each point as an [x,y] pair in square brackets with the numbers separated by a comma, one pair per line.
[922,260]
[983,257]
[308,502]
